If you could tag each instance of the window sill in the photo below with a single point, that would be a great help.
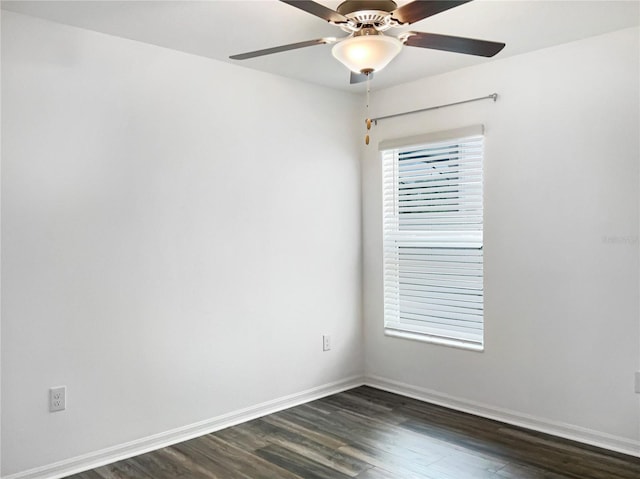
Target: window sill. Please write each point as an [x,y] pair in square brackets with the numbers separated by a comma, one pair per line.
[425,338]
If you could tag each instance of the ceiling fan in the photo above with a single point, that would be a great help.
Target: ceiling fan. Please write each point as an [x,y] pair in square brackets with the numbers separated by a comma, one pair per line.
[367,49]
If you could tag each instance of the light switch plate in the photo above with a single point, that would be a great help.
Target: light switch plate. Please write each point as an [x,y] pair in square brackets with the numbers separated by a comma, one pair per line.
[326,342]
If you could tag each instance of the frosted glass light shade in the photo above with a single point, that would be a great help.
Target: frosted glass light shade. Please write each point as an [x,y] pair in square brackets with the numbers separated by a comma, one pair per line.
[367,52]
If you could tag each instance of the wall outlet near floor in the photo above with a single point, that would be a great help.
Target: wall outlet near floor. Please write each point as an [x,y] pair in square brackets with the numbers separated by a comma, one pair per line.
[326,342]
[57,399]
[638,382]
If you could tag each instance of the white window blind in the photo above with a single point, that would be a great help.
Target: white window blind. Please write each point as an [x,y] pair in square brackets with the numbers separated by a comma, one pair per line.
[433,267]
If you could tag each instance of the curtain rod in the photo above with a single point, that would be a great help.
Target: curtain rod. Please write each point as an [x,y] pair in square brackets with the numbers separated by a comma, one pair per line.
[493,96]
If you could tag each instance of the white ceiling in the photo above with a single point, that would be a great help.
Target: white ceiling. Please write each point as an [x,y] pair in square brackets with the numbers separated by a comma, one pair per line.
[217,29]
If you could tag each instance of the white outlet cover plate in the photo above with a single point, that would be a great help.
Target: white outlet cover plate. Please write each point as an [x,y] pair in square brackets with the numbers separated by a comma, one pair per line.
[57,399]
[638,382]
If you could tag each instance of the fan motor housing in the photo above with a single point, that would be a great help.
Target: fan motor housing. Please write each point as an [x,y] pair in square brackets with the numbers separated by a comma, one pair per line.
[362,13]
[351,6]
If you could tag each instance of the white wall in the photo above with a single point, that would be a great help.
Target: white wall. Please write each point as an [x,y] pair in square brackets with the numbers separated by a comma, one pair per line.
[561,240]
[177,235]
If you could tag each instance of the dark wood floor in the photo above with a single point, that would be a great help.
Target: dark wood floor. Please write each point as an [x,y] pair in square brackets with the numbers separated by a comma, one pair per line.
[370,434]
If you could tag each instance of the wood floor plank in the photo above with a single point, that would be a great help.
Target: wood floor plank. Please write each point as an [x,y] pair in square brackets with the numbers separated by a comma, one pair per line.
[466,466]
[240,463]
[161,464]
[92,474]
[376,473]
[201,465]
[521,471]
[366,433]
[300,443]
[313,434]
[241,436]
[400,466]
[298,464]
[121,470]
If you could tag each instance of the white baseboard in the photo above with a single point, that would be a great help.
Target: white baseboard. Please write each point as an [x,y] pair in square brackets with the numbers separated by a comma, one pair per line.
[164,439]
[567,431]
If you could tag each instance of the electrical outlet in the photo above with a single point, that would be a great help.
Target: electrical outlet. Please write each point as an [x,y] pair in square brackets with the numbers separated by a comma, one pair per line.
[638,382]
[326,342]
[58,399]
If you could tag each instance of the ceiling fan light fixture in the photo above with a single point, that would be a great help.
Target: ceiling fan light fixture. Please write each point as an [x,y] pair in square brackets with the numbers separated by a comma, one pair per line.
[367,53]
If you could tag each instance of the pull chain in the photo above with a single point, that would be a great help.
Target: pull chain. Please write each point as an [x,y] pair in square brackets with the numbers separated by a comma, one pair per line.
[367,119]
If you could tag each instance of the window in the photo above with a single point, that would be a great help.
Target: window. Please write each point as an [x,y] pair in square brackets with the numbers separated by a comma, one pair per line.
[432,216]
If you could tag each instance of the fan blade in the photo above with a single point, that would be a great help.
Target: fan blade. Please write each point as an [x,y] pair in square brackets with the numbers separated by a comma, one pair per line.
[470,46]
[318,10]
[282,48]
[359,77]
[418,10]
